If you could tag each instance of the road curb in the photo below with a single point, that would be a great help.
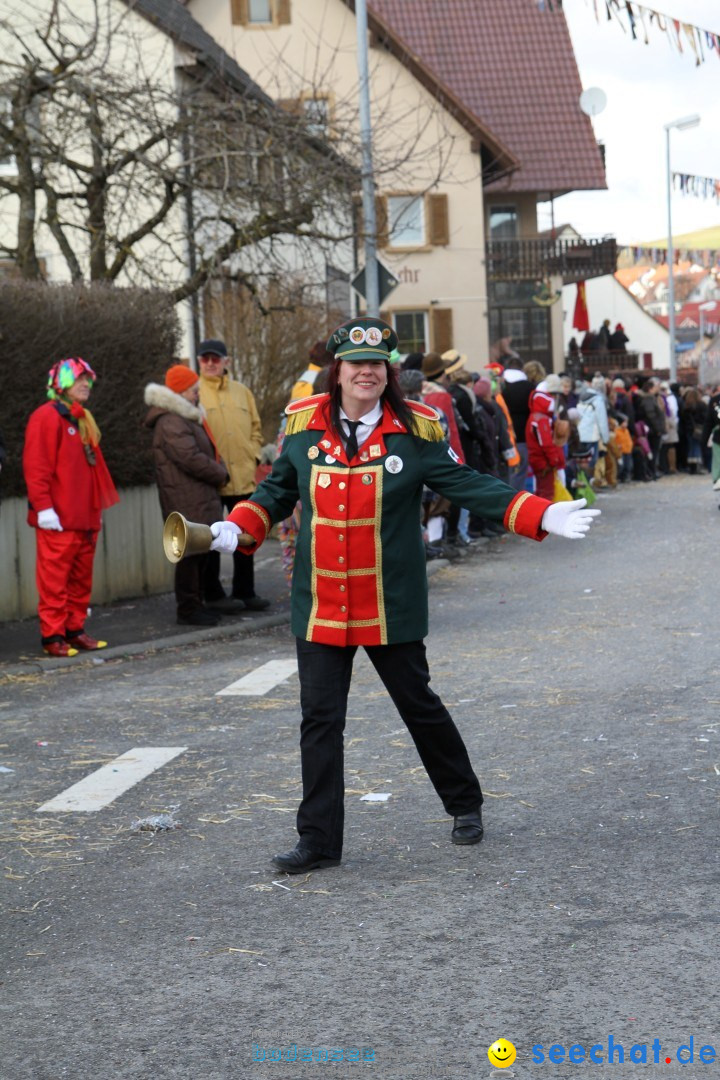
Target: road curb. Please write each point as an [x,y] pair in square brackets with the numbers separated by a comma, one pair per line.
[192,637]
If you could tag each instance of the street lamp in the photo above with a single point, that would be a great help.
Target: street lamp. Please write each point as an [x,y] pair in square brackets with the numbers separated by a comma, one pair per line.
[682,125]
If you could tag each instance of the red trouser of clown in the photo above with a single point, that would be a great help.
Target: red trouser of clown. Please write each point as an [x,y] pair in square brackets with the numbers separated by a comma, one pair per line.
[63,575]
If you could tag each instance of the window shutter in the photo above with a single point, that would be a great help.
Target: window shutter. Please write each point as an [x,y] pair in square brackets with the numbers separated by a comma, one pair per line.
[294,106]
[439,221]
[239,14]
[442,329]
[381,221]
[282,8]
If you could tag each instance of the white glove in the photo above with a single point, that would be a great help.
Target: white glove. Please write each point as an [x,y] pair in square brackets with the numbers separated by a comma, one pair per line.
[568,519]
[226,536]
[48,519]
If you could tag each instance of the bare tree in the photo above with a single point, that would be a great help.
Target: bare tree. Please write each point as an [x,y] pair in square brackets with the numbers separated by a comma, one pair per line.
[145,173]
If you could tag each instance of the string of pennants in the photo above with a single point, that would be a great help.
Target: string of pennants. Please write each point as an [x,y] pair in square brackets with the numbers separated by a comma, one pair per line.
[704,187]
[706,257]
[640,21]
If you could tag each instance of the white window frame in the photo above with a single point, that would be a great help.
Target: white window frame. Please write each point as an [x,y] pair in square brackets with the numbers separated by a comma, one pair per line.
[409,197]
[261,22]
[414,311]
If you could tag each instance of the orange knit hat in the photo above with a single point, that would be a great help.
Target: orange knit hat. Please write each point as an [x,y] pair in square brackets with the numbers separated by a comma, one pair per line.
[179,378]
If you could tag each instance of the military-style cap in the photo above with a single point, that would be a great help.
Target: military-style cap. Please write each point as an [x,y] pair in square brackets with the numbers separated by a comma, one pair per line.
[363,339]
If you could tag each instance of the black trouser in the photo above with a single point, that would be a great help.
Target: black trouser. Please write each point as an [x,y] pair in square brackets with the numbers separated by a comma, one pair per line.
[189,584]
[243,582]
[325,672]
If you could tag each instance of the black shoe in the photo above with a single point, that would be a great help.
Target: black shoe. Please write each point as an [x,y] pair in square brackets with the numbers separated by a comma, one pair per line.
[198,618]
[301,859]
[227,606]
[253,603]
[468,828]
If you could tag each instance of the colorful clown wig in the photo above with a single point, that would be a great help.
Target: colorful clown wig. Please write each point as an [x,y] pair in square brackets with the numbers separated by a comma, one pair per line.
[64,373]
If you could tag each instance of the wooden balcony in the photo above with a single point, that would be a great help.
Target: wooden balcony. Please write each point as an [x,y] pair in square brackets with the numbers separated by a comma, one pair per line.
[530,260]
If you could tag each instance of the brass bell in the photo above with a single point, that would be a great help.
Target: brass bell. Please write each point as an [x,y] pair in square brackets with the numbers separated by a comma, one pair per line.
[182,538]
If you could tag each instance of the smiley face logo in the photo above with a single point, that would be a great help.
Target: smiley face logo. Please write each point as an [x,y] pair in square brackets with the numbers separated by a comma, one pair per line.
[501,1054]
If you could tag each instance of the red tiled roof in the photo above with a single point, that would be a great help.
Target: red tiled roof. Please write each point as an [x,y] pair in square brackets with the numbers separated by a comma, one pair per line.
[512,67]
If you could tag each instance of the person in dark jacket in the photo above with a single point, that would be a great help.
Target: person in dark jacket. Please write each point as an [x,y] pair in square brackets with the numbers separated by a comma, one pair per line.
[653,413]
[516,391]
[711,427]
[189,475]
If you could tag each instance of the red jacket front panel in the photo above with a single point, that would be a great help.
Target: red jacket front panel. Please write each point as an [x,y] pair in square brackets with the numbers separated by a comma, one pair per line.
[57,472]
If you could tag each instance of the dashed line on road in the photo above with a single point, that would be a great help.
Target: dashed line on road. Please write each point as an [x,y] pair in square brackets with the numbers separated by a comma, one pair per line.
[104,785]
[260,680]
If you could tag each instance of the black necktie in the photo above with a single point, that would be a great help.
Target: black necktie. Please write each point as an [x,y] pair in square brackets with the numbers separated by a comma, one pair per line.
[351,446]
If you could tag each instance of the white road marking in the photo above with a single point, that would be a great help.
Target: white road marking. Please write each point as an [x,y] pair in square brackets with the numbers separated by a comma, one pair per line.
[261,679]
[104,785]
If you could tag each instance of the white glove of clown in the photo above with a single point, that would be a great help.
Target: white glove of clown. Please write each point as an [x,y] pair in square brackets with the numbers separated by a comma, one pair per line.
[226,536]
[568,519]
[48,519]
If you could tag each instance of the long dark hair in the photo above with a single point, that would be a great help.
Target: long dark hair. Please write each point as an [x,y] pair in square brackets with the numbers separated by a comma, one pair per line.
[392,395]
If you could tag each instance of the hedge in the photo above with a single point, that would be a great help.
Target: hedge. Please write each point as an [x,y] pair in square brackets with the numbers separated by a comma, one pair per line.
[129,337]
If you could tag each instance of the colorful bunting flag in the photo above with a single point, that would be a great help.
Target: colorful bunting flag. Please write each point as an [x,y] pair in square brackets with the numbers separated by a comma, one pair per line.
[687,38]
[704,187]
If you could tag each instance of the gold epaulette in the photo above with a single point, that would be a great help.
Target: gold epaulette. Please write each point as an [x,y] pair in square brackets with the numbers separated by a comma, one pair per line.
[426,421]
[300,413]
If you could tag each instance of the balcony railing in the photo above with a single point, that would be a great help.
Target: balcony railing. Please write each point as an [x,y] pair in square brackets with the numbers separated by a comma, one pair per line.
[572,260]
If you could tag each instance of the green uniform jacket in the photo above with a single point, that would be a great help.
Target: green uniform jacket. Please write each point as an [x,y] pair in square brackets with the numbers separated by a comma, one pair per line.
[359,576]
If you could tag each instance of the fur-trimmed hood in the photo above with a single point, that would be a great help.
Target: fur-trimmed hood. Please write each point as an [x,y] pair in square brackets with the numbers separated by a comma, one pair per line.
[161,400]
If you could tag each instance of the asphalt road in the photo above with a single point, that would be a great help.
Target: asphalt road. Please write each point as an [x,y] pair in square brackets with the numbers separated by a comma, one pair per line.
[584,679]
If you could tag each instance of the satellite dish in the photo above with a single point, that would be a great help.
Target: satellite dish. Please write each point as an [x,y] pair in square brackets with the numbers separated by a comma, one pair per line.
[593,101]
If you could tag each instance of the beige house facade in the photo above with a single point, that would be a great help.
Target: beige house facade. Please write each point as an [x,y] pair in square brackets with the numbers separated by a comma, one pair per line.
[429,157]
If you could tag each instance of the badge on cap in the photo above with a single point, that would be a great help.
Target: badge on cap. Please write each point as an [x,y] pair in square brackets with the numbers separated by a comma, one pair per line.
[324,480]
[373,336]
[313,452]
[394,464]
[357,335]
[386,333]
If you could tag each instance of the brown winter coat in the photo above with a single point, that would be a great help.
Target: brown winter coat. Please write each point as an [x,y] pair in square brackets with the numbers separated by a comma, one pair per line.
[188,475]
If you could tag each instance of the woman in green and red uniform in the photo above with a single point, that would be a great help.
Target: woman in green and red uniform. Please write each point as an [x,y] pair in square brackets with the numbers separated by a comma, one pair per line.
[358,458]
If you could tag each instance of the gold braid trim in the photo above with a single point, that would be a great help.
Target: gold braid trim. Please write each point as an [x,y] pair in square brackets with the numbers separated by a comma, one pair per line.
[298,422]
[427,429]
[523,498]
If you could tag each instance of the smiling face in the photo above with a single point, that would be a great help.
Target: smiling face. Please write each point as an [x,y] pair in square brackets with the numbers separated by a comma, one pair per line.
[80,390]
[361,385]
[501,1054]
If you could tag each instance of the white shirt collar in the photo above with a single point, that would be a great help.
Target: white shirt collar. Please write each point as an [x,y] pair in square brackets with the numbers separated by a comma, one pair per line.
[369,419]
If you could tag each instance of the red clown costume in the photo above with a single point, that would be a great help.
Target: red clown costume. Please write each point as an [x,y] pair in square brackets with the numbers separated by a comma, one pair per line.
[543,455]
[68,486]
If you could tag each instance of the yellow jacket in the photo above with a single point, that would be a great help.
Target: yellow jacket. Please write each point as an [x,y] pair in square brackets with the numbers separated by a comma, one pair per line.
[233,418]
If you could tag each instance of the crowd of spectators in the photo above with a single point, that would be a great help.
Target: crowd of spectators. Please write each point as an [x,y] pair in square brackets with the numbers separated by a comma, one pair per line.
[557,436]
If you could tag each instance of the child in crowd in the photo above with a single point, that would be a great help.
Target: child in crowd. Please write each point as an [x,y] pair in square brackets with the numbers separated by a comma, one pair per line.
[624,444]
